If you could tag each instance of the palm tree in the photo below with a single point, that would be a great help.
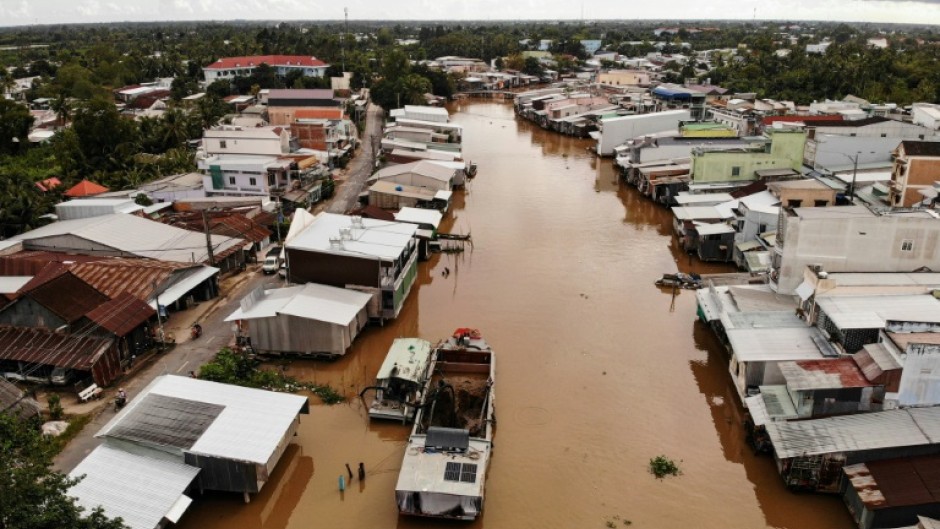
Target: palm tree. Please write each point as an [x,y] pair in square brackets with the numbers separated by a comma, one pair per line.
[62,107]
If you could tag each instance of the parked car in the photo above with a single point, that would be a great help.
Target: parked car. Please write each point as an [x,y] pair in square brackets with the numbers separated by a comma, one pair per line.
[271,264]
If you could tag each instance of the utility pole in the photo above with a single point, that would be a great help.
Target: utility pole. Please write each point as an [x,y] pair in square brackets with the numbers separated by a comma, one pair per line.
[854,174]
[156,299]
[205,223]
[345,33]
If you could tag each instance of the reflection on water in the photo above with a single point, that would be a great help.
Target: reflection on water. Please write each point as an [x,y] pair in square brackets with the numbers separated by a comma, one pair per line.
[598,370]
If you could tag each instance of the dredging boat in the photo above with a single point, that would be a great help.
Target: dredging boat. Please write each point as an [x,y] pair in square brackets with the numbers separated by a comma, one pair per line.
[402,381]
[443,473]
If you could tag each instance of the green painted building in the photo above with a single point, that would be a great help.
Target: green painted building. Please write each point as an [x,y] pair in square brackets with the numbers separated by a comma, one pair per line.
[783,150]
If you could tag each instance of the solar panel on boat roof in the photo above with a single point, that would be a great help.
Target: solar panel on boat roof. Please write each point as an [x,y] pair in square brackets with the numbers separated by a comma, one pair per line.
[469,473]
[452,472]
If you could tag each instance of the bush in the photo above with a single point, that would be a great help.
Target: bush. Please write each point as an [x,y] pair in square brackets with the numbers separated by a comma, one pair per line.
[662,466]
[55,407]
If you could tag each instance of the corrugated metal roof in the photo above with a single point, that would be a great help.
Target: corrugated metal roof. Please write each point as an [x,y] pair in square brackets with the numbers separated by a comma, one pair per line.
[408,358]
[66,295]
[874,359]
[804,375]
[14,401]
[115,276]
[718,228]
[420,216]
[771,404]
[128,234]
[12,284]
[249,428]
[36,345]
[873,311]
[698,213]
[163,421]
[122,314]
[426,168]
[853,433]
[761,320]
[902,482]
[139,485]
[225,224]
[311,301]
[755,298]
[374,239]
[775,345]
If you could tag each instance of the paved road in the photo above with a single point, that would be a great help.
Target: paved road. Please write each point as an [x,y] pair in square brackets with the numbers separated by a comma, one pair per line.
[360,168]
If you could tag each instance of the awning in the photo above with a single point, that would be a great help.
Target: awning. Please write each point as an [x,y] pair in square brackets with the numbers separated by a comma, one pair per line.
[805,290]
[443,195]
[307,162]
[182,287]
[295,196]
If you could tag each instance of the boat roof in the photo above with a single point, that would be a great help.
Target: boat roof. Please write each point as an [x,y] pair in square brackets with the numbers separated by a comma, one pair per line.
[430,471]
[410,356]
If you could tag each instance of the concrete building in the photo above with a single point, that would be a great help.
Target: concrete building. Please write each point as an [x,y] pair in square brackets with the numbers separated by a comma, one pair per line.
[613,132]
[802,193]
[916,170]
[373,256]
[227,139]
[303,320]
[624,78]
[733,168]
[851,239]
[926,115]
[231,67]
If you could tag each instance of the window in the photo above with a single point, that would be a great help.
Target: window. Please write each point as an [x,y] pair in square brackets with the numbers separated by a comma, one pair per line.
[222,144]
[907,245]
[795,203]
[820,203]
[253,181]
[231,180]
[735,171]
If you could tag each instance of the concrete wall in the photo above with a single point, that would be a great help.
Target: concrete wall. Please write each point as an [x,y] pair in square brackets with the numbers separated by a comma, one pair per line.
[855,244]
[920,173]
[238,142]
[786,152]
[920,379]
[615,131]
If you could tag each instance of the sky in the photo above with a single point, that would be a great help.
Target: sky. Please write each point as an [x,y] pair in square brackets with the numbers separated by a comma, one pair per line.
[25,12]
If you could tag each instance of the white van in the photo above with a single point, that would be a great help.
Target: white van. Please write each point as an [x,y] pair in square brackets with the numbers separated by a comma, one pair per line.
[271,264]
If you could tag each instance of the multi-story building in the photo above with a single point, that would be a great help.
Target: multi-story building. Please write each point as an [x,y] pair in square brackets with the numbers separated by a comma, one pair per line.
[733,168]
[227,139]
[916,169]
[231,67]
[851,239]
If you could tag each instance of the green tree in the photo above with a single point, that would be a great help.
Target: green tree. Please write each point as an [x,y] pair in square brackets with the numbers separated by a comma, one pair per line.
[15,122]
[32,495]
[100,140]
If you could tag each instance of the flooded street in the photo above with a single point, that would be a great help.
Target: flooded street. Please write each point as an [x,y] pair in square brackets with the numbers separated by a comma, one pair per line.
[597,370]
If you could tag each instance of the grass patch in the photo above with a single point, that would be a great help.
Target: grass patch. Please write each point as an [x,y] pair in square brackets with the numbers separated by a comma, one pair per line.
[230,367]
[76,424]
[662,466]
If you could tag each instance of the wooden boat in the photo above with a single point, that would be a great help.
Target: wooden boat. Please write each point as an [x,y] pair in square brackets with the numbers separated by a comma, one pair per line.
[402,381]
[443,473]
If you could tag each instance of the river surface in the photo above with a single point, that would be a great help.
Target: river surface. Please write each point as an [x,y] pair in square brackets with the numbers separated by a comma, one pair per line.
[597,370]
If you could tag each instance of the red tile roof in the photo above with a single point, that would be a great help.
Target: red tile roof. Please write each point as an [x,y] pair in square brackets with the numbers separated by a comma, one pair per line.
[122,314]
[271,60]
[85,188]
[41,346]
[48,183]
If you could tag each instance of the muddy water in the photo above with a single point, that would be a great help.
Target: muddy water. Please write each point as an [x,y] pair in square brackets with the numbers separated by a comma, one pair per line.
[597,369]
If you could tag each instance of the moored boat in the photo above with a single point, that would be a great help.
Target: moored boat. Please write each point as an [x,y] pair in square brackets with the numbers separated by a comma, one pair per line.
[443,472]
[402,381]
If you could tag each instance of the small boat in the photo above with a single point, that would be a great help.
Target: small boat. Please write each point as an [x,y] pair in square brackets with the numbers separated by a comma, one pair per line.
[680,280]
[402,380]
[443,473]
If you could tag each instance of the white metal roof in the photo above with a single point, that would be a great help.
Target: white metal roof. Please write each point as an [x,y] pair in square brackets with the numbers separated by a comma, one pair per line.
[393,188]
[763,202]
[444,194]
[775,345]
[141,485]
[426,168]
[129,234]
[372,238]
[868,312]
[842,279]
[180,288]
[771,404]
[11,284]
[718,228]
[707,198]
[853,433]
[311,301]
[424,471]
[409,356]
[249,428]
[420,216]
[698,212]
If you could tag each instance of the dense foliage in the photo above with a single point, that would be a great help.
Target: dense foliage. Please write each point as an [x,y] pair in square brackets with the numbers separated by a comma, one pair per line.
[32,495]
[230,367]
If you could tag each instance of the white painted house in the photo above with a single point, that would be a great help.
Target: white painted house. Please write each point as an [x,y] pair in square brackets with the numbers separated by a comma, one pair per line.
[228,139]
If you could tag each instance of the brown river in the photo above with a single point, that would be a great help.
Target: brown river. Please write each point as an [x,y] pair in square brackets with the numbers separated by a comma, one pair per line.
[597,369]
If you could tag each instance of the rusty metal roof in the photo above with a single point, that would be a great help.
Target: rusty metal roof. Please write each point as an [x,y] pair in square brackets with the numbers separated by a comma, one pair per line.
[65,295]
[806,375]
[122,314]
[13,400]
[137,277]
[228,224]
[41,346]
[899,482]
